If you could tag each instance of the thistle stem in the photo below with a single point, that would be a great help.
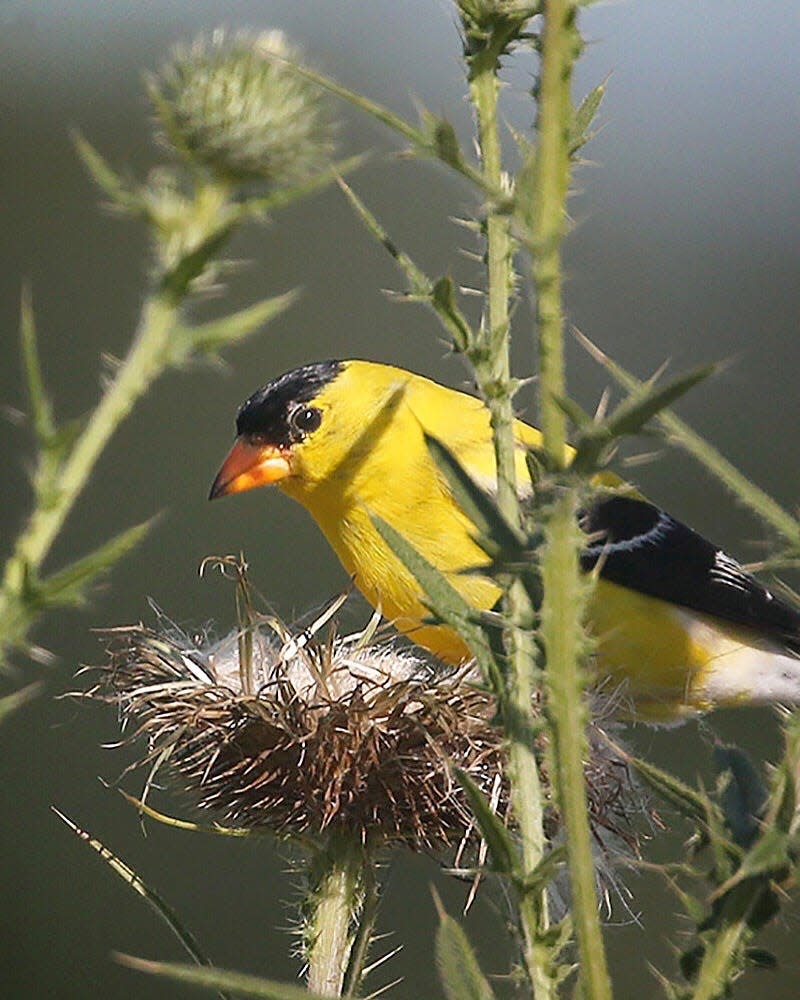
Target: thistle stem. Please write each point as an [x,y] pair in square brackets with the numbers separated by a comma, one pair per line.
[493,373]
[334,903]
[564,590]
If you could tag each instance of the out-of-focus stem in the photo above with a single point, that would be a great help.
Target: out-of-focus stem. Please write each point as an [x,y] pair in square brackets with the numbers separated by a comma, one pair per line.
[493,374]
[563,602]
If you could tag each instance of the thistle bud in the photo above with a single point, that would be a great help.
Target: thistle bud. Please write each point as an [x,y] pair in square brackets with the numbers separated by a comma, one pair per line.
[234,104]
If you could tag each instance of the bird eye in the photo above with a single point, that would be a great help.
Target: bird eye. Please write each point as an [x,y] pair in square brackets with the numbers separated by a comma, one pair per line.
[306,419]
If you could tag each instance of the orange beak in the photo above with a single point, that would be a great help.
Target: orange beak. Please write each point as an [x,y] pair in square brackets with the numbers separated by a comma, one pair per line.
[250,465]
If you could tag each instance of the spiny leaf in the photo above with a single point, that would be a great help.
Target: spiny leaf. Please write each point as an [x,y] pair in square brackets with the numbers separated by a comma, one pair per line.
[443,599]
[237,983]
[443,300]
[150,896]
[579,417]
[213,336]
[544,873]
[769,855]
[105,177]
[442,141]
[458,967]
[176,281]
[419,283]
[41,409]
[686,800]
[631,416]
[582,118]
[496,534]
[68,585]
[753,496]
[497,837]
[182,824]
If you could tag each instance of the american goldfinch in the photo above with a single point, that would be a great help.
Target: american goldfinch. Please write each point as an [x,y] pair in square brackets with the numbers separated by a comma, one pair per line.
[678,622]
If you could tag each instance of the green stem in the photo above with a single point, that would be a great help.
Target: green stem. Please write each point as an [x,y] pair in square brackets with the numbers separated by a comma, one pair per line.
[145,361]
[551,179]
[363,938]
[563,638]
[563,603]
[335,900]
[493,373]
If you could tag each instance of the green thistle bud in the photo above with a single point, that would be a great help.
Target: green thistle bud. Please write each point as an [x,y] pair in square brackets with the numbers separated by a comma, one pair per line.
[235,105]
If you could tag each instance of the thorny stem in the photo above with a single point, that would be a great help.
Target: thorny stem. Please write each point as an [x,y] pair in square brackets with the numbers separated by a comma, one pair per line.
[333,905]
[493,372]
[563,605]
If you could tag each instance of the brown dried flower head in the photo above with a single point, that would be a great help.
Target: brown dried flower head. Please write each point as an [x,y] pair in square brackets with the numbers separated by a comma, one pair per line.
[276,729]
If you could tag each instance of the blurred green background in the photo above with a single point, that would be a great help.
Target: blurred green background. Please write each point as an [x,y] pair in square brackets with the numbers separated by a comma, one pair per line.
[685,247]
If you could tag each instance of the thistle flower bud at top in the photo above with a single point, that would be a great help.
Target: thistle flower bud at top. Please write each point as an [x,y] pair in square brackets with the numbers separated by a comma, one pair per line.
[234,104]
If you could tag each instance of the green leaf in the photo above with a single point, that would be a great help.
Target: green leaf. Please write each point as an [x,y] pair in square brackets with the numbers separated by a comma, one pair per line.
[631,416]
[443,599]
[769,856]
[41,409]
[443,141]
[579,417]
[687,801]
[524,205]
[496,535]
[209,338]
[582,118]
[105,177]
[544,873]
[175,282]
[419,283]
[132,880]
[68,585]
[458,967]
[443,300]
[236,983]
[680,433]
[493,831]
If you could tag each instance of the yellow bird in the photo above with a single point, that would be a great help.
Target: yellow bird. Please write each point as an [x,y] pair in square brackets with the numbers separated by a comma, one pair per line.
[678,622]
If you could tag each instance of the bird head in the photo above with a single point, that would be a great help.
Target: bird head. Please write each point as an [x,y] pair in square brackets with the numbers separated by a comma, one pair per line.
[311,426]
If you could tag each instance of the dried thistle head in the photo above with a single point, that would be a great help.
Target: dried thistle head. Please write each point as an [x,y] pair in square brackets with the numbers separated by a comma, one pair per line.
[233,103]
[331,735]
[275,729]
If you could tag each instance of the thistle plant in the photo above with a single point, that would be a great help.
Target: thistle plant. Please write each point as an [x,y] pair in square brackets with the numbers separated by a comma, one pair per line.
[350,748]
[217,179]
[344,746]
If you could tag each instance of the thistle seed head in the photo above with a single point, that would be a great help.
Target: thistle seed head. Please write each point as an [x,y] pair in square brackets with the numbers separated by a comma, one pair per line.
[311,736]
[234,104]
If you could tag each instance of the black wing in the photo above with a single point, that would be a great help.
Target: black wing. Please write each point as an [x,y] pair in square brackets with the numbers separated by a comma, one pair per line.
[641,547]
